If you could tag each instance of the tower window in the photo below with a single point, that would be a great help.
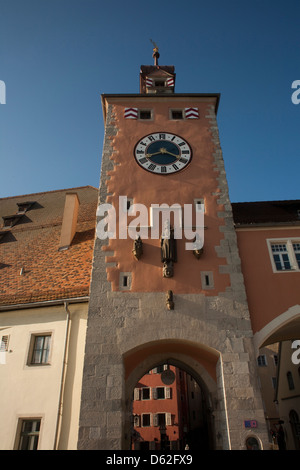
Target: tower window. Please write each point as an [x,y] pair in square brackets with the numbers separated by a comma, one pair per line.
[199,205]
[207,280]
[145,114]
[176,114]
[125,281]
[160,83]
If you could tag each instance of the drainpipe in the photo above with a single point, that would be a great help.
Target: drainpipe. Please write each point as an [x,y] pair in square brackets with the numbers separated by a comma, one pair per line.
[63,376]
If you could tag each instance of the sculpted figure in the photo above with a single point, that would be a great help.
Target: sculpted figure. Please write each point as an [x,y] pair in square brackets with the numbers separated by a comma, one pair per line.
[137,248]
[169,300]
[168,251]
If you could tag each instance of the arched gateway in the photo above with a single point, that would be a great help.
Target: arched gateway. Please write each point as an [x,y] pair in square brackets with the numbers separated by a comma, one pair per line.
[166,280]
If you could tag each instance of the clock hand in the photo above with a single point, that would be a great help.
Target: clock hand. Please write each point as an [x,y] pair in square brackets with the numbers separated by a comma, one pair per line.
[149,155]
[172,154]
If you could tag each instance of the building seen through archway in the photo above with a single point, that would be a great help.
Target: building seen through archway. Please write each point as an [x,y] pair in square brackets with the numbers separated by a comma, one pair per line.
[170,411]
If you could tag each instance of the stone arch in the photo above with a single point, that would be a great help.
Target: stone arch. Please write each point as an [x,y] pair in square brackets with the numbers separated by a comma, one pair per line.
[284,327]
[201,362]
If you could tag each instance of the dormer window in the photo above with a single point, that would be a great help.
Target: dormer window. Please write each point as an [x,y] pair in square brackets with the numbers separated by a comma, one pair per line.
[24,206]
[11,220]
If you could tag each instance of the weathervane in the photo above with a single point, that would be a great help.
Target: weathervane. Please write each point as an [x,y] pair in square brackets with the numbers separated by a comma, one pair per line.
[155,54]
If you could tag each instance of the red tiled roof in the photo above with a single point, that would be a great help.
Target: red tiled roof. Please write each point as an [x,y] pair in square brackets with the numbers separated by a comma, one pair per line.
[31,245]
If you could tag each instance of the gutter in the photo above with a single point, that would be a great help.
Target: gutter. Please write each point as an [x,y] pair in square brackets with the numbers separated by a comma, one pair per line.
[63,376]
[44,303]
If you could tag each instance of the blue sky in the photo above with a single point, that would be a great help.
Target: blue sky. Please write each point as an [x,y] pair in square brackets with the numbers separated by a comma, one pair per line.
[58,56]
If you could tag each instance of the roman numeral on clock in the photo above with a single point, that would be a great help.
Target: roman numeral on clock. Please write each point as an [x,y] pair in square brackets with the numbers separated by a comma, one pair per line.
[151,166]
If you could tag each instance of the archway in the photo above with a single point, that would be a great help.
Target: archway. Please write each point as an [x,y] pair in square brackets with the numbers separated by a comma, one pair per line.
[163,415]
[284,327]
[170,411]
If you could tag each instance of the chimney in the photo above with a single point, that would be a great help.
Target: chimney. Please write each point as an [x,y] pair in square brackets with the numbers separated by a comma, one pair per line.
[69,221]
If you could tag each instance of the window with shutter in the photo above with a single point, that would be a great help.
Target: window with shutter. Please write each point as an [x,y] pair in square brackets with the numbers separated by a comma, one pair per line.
[136,421]
[4,343]
[168,419]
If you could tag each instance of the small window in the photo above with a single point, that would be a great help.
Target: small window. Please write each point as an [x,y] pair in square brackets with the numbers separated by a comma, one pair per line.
[11,220]
[160,393]
[145,114]
[40,349]
[146,420]
[262,361]
[207,280]
[129,203]
[4,343]
[199,205]
[159,83]
[145,393]
[125,281]
[136,421]
[290,380]
[274,382]
[176,114]
[161,419]
[296,247]
[24,206]
[29,435]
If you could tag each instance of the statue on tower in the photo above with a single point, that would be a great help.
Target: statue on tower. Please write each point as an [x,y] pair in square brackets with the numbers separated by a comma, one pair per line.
[155,54]
[168,250]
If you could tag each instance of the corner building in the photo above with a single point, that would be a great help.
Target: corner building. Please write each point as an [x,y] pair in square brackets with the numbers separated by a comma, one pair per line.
[131,327]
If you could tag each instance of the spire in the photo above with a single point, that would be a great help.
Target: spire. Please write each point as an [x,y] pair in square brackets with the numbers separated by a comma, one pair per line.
[155,54]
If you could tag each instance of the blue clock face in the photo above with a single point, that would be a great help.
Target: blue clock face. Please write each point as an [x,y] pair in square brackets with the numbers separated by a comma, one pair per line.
[163,153]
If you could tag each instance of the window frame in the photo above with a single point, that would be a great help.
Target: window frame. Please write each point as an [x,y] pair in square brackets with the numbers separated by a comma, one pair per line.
[30,356]
[142,424]
[141,111]
[21,433]
[290,251]
[262,360]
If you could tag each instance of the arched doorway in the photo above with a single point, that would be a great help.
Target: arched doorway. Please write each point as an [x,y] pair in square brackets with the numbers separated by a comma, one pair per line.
[170,411]
[171,398]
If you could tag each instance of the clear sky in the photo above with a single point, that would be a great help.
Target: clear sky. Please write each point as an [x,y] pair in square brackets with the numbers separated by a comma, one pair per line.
[58,56]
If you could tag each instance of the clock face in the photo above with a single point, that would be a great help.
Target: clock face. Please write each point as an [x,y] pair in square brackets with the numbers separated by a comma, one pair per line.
[163,153]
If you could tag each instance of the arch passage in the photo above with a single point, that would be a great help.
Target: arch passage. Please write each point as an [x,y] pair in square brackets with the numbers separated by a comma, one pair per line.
[161,417]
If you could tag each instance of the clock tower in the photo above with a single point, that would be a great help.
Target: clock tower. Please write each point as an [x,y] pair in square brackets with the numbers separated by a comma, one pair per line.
[166,286]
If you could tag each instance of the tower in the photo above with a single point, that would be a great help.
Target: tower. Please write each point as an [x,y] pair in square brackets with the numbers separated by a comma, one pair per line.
[155,297]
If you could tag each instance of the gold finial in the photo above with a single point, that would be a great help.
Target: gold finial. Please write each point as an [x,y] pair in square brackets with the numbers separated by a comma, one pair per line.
[155,54]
